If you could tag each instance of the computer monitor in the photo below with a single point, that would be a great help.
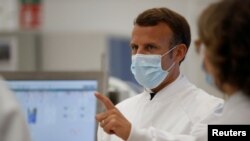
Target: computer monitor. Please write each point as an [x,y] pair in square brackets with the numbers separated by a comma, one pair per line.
[58,106]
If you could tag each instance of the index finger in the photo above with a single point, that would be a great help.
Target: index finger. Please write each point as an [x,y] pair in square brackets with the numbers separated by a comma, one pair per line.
[105,100]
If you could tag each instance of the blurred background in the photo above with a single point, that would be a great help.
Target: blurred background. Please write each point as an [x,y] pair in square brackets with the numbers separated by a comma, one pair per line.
[86,35]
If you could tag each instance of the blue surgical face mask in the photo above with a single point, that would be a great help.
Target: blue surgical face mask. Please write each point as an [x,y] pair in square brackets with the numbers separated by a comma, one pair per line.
[209,78]
[148,71]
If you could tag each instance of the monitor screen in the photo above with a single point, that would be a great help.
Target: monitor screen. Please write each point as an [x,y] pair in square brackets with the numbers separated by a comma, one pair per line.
[58,108]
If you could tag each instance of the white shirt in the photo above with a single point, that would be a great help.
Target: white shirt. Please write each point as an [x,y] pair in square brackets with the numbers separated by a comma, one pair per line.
[12,123]
[175,109]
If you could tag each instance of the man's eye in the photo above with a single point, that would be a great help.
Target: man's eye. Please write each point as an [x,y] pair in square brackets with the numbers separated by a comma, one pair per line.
[133,47]
[150,47]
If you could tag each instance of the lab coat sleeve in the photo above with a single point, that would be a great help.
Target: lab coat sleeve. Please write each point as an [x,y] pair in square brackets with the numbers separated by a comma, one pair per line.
[14,127]
[198,133]
[152,134]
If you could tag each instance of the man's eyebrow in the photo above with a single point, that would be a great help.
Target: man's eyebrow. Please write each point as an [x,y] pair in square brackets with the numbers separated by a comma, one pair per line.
[151,44]
[146,44]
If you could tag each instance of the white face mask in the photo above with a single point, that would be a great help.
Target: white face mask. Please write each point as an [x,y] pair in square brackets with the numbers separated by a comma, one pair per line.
[148,71]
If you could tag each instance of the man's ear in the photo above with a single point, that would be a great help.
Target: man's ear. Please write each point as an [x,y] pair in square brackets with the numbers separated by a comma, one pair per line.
[180,52]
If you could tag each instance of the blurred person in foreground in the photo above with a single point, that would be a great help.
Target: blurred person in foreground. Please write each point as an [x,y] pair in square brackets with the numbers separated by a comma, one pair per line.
[170,103]
[12,124]
[225,38]
[224,43]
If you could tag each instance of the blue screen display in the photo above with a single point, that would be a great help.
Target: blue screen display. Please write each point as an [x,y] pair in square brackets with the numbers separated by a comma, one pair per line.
[58,110]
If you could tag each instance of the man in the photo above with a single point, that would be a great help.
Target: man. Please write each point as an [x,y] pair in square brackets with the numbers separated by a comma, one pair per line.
[170,103]
[12,123]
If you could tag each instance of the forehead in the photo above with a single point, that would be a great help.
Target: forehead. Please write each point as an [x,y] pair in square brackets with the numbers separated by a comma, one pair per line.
[158,33]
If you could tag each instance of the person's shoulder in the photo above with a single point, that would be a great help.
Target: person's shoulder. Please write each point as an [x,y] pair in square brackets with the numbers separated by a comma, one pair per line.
[198,95]
[236,110]
[207,101]
[8,103]
[198,104]
[10,111]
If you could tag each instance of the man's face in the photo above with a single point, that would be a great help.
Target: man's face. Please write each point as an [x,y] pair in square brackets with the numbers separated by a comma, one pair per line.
[152,40]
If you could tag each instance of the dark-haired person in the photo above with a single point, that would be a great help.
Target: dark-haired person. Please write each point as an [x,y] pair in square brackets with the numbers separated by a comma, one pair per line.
[159,43]
[225,37]
[225,34]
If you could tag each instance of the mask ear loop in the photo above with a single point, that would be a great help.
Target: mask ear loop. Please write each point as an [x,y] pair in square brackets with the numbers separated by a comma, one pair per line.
[170,67]
[168,51]
[166,54]
[168,70]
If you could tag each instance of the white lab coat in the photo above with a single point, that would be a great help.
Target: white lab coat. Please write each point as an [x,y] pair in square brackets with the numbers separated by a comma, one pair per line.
[175,109]
[236,110]
[12,123]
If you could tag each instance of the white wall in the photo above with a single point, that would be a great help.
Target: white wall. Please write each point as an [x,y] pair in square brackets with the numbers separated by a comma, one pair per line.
[112,16]
[8,15]
[66,19]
